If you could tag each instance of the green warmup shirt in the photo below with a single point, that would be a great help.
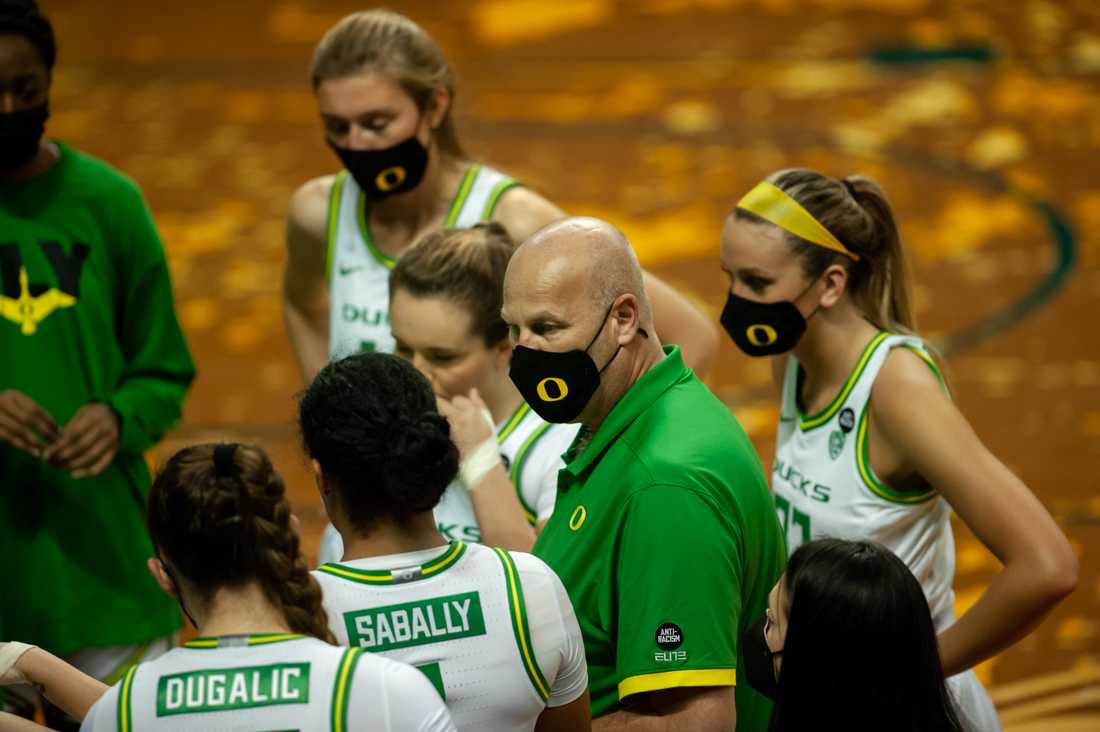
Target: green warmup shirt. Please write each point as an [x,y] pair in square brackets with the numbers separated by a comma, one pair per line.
[666,537]
[85,315]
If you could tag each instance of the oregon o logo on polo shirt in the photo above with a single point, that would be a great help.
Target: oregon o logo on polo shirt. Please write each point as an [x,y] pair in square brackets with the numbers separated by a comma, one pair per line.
[761,335]
[578,517]
[390,178]
[560,386]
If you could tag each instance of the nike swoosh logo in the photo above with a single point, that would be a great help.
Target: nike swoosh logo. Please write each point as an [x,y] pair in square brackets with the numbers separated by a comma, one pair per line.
[349,270]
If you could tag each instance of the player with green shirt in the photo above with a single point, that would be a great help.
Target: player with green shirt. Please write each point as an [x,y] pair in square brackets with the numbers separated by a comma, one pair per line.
[93,371]
[664,532]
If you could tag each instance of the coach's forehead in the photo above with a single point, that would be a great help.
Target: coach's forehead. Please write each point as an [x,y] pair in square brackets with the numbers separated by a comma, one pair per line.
[552,269]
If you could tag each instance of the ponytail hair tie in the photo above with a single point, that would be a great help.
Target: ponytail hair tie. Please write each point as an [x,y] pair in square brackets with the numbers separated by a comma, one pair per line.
[224,455]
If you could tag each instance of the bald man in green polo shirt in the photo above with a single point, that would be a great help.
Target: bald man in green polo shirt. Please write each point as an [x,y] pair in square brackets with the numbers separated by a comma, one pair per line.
[664,532]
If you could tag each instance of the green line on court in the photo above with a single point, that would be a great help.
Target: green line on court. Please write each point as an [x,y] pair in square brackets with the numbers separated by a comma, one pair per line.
[919,55]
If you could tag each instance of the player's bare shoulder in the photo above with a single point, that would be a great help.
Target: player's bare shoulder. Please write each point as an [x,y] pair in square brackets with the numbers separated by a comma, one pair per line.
[308,214]
[522,212]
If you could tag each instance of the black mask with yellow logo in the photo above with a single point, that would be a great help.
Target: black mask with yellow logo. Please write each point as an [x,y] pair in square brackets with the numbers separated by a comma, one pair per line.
[558,385]
[763,328]
[382,173]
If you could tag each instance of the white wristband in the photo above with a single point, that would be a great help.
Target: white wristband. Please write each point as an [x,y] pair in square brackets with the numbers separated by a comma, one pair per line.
[10,653]
[478,463]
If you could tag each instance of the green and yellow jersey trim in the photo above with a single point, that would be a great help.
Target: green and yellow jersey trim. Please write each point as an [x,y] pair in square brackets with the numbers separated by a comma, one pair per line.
[333,222]
[643,683]
[513,422]
[341,690]
[132,660]
[807,423]
[462,194]
[364,230]
[518,610]
[256,639]
[125,705]
[863,453]
[385,577]
[517,469]
[494,197]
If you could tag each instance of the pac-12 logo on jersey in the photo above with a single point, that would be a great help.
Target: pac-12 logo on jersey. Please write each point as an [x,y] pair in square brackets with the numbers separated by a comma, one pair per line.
[847,421]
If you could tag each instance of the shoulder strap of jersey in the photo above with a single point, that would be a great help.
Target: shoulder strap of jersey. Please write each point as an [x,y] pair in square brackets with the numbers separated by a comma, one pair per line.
[341,688]
[516,473]
[517,608]
[478,195]
[332,219]
[861,401]
[125,707]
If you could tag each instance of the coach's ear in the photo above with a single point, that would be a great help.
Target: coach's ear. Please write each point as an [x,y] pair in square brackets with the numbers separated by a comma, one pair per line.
[156,568]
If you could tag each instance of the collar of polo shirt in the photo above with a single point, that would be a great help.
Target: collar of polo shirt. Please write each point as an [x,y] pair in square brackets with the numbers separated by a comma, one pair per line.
[645,391]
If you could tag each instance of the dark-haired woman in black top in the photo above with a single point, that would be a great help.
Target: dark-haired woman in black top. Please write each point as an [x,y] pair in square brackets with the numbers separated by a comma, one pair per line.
[847,642]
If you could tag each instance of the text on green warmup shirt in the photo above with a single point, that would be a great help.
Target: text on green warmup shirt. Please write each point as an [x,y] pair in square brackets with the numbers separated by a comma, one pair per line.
[666,537]
[86,315]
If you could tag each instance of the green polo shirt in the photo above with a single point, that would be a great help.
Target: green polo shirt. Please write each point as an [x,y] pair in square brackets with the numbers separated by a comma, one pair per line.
[666,537]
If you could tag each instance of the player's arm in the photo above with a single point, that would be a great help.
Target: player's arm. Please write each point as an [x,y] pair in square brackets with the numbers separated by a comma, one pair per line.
[305,288]
[12,723]
[66,686]
[499,514]
[523,212]
[1039,569]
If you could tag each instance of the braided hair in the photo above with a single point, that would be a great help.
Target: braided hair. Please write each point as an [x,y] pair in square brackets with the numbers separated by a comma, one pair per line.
[219,515]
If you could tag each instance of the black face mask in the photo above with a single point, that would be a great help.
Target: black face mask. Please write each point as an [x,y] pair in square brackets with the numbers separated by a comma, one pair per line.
[759,669]
[21,134]
[558,385]
[763,328]
[383,173]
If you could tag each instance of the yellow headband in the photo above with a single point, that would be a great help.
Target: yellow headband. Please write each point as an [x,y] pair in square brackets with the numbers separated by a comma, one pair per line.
[772,204]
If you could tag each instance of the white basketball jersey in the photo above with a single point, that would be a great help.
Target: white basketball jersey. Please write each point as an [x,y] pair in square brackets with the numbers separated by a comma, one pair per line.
[359,273]
[824,485]
[268,682]
[531,451]
[493,630]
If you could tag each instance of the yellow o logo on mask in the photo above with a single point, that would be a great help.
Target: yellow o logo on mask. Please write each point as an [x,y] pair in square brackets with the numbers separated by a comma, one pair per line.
[563,390]
[390,178]
[578,517]
[761,335]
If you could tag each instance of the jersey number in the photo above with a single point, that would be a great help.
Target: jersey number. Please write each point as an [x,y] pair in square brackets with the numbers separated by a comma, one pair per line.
[791,518]
[435,675]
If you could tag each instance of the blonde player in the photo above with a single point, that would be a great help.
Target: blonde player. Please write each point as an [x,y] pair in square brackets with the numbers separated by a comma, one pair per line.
[386,96]
[445,300]
[493,629]
[228,551]
[870,445]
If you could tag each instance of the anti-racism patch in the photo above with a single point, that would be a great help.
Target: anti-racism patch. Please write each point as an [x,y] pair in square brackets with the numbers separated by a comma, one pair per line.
[669,636]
